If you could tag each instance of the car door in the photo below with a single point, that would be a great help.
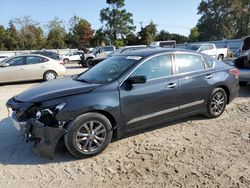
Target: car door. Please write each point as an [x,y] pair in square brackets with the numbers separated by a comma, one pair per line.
[75,56]
[103,52]
[13,70]
[211,50]
[194,78]
[155,100]
[35,67]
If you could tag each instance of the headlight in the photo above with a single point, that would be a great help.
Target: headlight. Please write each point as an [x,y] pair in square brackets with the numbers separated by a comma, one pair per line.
[60,106]
[49,111]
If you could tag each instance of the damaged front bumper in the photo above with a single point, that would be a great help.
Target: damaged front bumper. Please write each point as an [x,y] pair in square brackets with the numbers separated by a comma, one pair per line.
[45,137]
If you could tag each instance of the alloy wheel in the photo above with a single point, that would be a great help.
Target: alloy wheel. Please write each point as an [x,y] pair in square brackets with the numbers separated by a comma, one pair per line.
[90,136]
[50,76]
[218,103]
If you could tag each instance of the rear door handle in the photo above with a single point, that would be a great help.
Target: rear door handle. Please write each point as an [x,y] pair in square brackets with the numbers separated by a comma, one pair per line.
[209,76]
[171,85]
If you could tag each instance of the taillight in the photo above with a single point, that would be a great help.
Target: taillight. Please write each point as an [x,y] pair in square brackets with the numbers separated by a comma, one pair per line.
[62,63]
[235,72]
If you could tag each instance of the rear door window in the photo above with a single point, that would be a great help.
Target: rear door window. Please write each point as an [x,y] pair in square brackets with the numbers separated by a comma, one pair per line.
[34,60]
[189,63]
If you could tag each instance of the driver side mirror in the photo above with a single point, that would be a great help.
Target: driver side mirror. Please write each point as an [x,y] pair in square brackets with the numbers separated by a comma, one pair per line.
[5,65]
[128,84]
[137,80]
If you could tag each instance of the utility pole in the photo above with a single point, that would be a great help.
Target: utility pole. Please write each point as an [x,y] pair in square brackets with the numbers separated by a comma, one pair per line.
[141,24]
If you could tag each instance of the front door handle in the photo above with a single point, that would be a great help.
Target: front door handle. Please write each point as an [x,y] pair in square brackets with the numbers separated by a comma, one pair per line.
[209,76]
[171,85]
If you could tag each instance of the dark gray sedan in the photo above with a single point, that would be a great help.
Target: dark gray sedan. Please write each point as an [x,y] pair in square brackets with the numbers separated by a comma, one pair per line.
[121,94]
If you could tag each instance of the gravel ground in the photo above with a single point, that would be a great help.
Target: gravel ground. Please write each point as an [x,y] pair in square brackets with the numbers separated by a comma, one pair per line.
[193,152]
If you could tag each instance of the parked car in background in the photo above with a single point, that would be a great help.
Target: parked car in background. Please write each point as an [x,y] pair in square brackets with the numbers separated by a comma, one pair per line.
[98,52]
[121,50]
[49,54]
[72,56]
[210,49]
[3,57]
[164,44]
[122,94]
[30,67]
[242,63]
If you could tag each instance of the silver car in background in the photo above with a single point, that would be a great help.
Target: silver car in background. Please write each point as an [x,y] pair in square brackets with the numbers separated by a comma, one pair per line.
[30,67]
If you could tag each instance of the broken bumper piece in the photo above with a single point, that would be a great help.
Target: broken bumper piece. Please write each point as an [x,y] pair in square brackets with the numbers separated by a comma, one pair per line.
[45,137]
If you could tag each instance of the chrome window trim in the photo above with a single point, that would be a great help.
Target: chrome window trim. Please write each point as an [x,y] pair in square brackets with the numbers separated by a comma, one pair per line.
[174,65]
[190,53]
[148,58]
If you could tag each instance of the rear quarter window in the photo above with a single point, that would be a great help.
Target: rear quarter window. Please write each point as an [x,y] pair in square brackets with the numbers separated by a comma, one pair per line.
[210,62]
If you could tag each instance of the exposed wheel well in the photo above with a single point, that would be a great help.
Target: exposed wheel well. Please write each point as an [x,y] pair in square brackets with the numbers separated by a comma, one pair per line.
[226,90]
[89,58]
[221,55]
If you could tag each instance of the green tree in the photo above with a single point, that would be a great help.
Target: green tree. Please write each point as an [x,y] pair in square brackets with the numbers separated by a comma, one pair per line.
[179,38]
[148,33]
[11,40]
[80,33]
[30,34]
[194,35]
[163,35]
[99,38]
[57,34]
[117,21]
[223,19]
[132,39]
[2,38]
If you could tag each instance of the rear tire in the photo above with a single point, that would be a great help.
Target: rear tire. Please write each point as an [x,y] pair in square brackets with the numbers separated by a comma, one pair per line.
[66,61]
[88,63]
[217,103]
[88,135]
[220,57]
[49,76]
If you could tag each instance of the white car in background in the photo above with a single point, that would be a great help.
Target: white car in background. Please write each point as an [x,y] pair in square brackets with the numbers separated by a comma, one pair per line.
[30,67]
[72,56]
[3,57]
[210,49]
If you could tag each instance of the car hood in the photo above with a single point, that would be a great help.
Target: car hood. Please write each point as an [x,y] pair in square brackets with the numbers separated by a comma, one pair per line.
[55,89]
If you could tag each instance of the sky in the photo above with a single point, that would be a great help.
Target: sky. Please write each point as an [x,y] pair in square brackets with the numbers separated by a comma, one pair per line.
[174,16]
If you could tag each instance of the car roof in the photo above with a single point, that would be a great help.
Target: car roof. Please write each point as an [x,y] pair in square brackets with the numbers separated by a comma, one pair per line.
[152,51]
[26,55]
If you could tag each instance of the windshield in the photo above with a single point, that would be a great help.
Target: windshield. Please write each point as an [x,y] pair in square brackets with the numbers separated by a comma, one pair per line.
[95,50]
[194,47]
[108,70]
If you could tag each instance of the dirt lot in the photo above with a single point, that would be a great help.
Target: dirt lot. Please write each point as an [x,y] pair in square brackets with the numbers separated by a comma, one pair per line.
[194,152]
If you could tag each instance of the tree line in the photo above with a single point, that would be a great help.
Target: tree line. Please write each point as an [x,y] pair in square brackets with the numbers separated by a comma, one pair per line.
[219,19]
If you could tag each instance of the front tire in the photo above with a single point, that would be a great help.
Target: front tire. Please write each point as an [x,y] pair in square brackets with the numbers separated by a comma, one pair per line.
[217,103]
[88,135]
